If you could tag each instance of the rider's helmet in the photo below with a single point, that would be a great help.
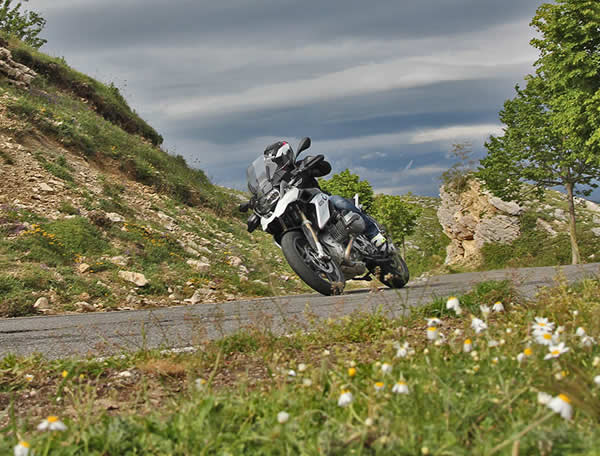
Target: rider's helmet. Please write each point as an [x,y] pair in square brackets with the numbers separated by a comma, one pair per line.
[280,153]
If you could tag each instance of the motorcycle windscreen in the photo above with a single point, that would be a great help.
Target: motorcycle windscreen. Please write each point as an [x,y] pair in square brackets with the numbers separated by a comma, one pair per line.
[259,176]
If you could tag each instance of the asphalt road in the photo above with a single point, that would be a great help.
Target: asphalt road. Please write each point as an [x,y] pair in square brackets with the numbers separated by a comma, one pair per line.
[98,334]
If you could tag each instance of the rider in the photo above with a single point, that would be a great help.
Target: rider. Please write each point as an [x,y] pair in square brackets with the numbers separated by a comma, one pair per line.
[282,154]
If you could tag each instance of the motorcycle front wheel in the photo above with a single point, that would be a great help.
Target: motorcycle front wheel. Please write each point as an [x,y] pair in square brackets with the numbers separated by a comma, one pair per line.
[393,274]
[322,275]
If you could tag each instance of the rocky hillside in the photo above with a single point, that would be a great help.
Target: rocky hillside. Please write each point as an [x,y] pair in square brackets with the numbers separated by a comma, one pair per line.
[486,232]
[95,216]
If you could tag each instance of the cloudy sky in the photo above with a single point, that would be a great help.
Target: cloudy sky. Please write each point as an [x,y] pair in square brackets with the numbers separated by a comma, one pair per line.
[382,87]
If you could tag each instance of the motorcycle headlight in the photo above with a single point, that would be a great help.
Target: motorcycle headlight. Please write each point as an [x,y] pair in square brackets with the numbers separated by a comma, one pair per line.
[268,201]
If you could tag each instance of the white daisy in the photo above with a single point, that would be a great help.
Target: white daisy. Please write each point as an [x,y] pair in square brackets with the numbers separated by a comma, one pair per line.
[493,343]
[588,341]
[454,304]
[52,423]
[546,338]
[467,345]
[433,321]
[478,325]
[498,307]
[386,368]
[597,379]
[521,357]
[22,448]
[345,398]
[556,350]
[432,333]
[400,387]
[301,367]
[561,404]
[404,350]
[542,325]
[283,417]
[379,386]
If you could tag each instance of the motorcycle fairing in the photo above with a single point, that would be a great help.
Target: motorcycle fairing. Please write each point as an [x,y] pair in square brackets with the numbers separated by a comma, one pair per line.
[321,203]
[289,197]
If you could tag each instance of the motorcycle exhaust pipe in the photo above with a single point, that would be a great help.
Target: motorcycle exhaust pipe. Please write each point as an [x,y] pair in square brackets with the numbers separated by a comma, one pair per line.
[348,250]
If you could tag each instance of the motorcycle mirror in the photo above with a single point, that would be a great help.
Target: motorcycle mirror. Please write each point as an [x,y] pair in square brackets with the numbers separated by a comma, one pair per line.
[244,206]
[303,145]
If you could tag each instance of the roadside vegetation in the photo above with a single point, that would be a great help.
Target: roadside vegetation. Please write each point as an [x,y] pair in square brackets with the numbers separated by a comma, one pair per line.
[482,382]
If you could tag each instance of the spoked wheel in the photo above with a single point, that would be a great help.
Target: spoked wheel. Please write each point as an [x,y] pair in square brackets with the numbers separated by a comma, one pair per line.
[393,274]
[322,275]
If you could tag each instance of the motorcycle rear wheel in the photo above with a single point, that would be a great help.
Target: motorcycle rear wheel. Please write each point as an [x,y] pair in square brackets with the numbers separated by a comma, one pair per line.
[321,275]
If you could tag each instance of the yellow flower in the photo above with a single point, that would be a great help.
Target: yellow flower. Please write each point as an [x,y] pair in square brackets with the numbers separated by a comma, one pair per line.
[351,371]
[379,386]
[64,374]
[22,448]
[52,423]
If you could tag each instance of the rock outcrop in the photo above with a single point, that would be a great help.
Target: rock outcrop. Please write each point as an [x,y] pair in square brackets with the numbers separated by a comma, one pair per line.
[19,74]
[473,218]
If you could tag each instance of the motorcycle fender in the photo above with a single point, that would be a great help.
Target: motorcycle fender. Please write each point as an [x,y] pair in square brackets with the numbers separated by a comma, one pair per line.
[321,203]
[289,197]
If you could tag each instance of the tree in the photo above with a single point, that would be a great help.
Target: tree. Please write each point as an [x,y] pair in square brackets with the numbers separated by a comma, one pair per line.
[552,132]
[347,185]
[397,215]
[456,178]
[25,25]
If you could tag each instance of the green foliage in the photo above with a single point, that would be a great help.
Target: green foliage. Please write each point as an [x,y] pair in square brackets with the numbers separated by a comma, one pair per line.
[58,167]
[456,178]
[24,25]
[347,184]
[552,133]
[8,160]
[397,215]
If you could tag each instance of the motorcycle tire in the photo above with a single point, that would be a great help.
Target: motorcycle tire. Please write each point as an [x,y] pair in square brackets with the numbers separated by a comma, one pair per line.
[393,274]
[323,276]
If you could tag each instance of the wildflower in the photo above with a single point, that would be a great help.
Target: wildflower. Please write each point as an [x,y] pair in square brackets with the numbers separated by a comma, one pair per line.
[575,313]
[379,386]
[400,387]
[200,384]
[386,368]
[467,345]
[520,357]
[453,304]
[597,379]
[301,367]
[28,378]
[560,375]
[493,343]
[542,325]
[22,448]
[433,321]
[561,404]
[528,351]
[498,307]
[495,360]
[545,338]
[596,361]
[508,331]
[478,325]
[345,398]
[307,382]
[52,423]
[369,422]
[556,350]
[404,350]
[326,352]
[580,332]
[587,341]
[543,398]
[283,417]
[458,332]
[64,374]
[351,371]
[485,310]
[291,373]
[561,329]
[432,333]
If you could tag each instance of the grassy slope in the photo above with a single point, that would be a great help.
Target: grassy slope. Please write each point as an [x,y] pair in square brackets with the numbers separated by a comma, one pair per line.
[224,399]
[71,126]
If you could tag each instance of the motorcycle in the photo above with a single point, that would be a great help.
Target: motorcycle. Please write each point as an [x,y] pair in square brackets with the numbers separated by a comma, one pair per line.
[324,246]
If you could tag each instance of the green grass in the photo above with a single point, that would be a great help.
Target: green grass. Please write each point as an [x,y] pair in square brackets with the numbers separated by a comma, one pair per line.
[458,403]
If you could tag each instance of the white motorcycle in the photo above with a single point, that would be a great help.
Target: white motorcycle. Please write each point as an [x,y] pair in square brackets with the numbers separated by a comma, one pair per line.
[323,245]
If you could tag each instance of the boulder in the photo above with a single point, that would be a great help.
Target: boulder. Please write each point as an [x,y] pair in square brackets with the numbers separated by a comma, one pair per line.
[82,268]
[134,277]
[199,265]
[114,217]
